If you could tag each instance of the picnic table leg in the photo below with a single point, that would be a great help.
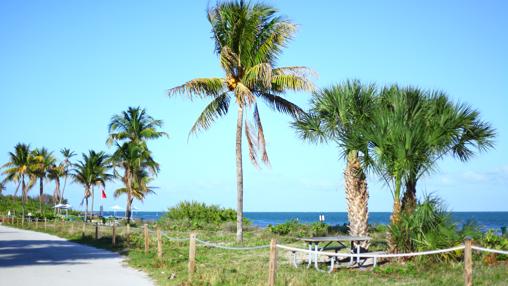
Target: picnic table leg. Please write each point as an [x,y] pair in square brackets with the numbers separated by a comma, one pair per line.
[310,255]
[316,249]
[332,264]
[358,253]
[294,259]
[352,247]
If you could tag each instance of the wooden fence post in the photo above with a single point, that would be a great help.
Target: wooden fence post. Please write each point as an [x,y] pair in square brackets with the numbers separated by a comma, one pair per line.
[83,229]
[272,266]
[145,226]
[159,243]
[72,227]
[468,262]
[113,237]
[36,223]
[192,255]
[96,230]
[45,224]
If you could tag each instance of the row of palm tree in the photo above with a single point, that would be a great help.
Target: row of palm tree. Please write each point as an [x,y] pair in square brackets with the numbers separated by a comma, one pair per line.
[26,166]
[132,163]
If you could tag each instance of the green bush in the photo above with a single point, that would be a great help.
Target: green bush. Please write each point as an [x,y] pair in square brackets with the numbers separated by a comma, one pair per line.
[491,240]
[194,215]
[428,227]
[297,229]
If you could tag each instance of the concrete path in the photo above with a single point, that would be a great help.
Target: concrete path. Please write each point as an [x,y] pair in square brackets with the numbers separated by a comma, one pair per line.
[34,258]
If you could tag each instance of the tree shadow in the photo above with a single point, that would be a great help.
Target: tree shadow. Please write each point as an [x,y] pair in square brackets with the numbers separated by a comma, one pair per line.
[15,253]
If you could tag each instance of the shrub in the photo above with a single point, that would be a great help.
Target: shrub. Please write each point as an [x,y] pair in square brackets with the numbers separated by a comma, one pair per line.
[195,215]
[428,227]
[491,240]
[295,228]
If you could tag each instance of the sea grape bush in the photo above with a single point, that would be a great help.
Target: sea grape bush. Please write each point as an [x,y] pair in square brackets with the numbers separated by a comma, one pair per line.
[195,215]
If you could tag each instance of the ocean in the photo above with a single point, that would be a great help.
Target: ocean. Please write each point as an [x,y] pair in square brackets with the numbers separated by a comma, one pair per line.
[486,220]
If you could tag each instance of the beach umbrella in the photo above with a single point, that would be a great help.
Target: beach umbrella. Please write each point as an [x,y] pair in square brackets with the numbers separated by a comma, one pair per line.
[116,208]
[59,206]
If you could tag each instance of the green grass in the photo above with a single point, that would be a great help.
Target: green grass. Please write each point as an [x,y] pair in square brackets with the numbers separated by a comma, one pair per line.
[223,267]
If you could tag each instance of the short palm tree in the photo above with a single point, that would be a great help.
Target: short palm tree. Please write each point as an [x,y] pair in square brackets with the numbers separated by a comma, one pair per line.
[412,129]
[335,116]
[67,164]
[248,39]
[45,160]
[19,170]
[138,165]
[92,170]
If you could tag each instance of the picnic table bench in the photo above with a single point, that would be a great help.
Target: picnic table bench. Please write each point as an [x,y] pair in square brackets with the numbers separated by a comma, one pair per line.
[313,244]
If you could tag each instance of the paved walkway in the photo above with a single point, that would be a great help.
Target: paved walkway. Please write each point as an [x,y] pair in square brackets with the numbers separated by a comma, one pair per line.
[34,258]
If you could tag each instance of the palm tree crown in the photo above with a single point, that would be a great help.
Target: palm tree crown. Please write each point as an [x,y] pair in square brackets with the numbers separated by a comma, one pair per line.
[134,125]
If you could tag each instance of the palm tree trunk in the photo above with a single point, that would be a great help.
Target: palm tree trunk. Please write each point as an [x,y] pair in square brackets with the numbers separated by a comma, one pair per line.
[92,202]
[395,218]
[56,196]
[41,191]
[86,203]
[239,177]
[63,190]
[23,199]
[357,197]
[129,196]
[409,198]
[396,201]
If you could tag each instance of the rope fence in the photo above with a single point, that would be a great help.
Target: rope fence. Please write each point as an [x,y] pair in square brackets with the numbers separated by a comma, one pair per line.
[467,247]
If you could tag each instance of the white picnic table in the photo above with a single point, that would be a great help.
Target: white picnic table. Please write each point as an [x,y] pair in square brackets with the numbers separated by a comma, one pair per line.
[313,244]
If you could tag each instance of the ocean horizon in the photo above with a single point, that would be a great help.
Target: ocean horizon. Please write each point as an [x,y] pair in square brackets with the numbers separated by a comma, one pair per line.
[486,220]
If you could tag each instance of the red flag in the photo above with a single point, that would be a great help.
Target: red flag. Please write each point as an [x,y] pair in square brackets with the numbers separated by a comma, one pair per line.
[103,194]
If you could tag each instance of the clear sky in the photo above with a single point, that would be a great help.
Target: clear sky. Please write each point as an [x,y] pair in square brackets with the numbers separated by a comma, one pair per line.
[67,66]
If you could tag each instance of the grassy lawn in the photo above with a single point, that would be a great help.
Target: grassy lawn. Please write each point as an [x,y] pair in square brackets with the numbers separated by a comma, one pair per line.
[229,267]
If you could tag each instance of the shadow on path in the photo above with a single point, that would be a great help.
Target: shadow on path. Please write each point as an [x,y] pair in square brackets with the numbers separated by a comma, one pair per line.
[19,252]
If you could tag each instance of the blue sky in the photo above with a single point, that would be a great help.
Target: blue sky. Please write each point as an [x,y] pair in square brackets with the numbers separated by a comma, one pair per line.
[67,66]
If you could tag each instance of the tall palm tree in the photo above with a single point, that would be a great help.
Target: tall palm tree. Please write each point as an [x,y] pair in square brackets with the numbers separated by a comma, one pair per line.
[19,170]
[92,170]
[129,131]
[67,164]
[138,165]
[248,39]
[45,160]
[335,115]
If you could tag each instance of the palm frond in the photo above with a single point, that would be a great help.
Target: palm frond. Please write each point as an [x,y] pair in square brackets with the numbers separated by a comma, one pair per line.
[215,109]
[283,82]
[251,144]
[282,105]
[200,87]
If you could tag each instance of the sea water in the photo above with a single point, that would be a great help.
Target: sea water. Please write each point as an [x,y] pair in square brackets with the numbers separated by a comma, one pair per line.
[486,220]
